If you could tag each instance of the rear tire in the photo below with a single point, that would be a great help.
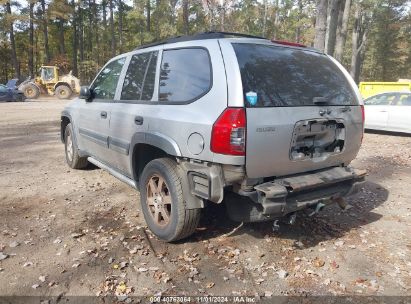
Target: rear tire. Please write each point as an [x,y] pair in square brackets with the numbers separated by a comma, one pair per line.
[63,92]
[70,147]
[31,91]
[162,202]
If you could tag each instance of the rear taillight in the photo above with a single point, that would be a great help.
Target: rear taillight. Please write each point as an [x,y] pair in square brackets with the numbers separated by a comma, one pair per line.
[228,134]
[363,121]
[362,114]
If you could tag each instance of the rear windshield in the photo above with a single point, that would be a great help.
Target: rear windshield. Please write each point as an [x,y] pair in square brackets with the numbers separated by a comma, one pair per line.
[283,77]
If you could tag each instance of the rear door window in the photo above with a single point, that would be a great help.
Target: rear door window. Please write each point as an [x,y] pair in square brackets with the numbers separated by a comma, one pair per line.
[185,74]
[404,100]
[275,76]
[139,81]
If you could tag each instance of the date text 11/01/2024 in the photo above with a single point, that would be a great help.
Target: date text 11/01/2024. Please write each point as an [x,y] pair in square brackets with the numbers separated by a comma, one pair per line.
[202,299]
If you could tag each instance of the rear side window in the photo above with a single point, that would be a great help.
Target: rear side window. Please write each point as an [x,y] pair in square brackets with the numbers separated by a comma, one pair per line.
[279,76]
[185,74]
[139,80]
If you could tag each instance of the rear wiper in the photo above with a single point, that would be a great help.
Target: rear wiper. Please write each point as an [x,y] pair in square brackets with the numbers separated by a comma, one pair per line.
[320,100]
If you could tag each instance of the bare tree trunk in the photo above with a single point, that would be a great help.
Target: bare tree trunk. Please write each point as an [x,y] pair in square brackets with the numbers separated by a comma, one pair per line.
[298,30]
[13,44]
[31,40]
[265,19]
[320,24]
[276,19]
[120,24]
[332,22]
[148,20]
[81,31]
[112,36]
[342,31]
[90,30]
[359,37]
[185,17]
[60,24]
[96,30]
[45,31]
[157,33]
[222,17]
[75,40]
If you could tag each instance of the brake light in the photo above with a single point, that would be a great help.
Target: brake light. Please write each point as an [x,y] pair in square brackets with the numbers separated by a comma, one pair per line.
[228,134]
[363,114]
[363,121]
[288,43]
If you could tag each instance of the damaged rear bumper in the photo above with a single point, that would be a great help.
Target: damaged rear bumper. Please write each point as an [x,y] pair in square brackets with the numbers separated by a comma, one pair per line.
[289,194]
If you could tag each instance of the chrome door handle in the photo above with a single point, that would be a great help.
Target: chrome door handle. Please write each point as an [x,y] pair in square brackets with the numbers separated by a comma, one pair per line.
[103,114]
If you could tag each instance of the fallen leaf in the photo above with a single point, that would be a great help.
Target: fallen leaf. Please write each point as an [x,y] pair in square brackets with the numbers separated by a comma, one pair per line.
[282,274]
[142,269]
[57,241]
[27,264]
[334,265]
[42,278]
[210,285]
[3,256]
[76,265]
[35,286]
[14,244]
[317,262]
[123,265]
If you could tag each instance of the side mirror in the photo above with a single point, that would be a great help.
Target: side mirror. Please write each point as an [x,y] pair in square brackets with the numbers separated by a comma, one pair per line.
[85,93]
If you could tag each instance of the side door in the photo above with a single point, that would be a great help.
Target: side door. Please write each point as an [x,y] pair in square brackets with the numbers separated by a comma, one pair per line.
[128,113]
[399,118]
[94,115]
[376,110]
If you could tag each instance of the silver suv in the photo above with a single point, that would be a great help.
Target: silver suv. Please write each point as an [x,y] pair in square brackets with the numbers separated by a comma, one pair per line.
[269,125]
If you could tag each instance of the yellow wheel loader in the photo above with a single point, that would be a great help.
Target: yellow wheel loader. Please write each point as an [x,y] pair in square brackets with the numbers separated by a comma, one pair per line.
[49,82]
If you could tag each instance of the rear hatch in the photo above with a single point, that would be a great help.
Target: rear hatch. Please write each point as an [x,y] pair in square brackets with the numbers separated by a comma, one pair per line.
[302,112]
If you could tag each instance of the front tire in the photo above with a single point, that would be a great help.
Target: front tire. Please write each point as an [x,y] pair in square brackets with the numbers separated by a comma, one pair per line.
[70,147]
[162,202]
[63,92]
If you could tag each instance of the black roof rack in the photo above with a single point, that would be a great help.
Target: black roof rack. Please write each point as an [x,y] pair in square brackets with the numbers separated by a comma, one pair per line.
[199,36]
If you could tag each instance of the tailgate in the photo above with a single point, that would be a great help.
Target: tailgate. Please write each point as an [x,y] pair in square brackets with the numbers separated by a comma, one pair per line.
[302,111]
[288,140]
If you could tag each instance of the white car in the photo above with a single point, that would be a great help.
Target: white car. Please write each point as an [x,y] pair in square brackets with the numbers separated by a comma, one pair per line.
[389,111]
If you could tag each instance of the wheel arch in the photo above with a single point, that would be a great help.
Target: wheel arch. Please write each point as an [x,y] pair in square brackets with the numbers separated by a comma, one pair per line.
[59,83]
[146,146]
[65,120]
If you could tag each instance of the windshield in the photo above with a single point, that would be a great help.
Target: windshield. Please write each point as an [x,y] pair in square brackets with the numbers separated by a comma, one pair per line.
[47,74]
[283,77]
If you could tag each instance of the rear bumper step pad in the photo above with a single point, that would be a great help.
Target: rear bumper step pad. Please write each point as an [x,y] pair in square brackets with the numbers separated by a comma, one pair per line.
[289,194]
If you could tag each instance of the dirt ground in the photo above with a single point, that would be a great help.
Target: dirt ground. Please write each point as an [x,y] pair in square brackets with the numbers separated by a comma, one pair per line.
[80,232]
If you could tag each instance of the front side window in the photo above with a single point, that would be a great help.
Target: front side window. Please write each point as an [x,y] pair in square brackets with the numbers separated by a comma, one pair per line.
[380,100]
[105,85]
[140,76]
[3,89]
[286,77]
[185,74]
